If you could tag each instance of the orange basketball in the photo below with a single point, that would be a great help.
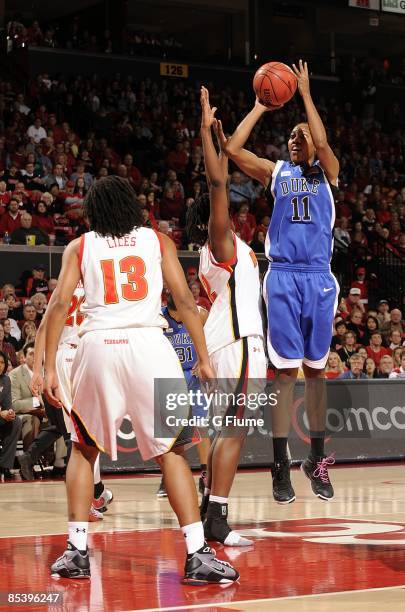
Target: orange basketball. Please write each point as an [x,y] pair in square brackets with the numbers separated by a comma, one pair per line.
[274,83]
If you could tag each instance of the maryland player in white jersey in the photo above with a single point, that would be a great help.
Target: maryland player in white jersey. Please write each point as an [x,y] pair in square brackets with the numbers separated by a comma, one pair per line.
[68,343]
[234,331]
[121,355]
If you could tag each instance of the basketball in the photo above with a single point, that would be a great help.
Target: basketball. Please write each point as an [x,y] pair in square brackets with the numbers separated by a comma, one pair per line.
[274,84]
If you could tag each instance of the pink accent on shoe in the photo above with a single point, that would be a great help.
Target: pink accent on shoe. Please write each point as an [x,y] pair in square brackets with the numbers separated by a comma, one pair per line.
[321,470]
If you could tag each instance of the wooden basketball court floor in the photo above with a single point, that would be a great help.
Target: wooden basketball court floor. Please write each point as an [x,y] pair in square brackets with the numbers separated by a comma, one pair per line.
[346,555]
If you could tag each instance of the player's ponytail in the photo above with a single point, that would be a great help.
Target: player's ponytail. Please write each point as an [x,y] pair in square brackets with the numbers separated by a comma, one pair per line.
[197,220]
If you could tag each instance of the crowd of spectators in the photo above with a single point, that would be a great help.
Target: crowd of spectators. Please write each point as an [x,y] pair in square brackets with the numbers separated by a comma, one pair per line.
[76,35]
[62,134]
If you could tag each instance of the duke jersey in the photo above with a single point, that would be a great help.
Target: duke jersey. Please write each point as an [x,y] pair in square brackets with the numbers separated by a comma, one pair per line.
[182,343]
[233,288]
[70,332]
[122,280]
[300,231]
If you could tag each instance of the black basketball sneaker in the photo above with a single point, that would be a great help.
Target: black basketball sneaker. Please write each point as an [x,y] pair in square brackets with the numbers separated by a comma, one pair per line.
[72,564]
[216,527]
[202,567]
[283,491]
[316,469]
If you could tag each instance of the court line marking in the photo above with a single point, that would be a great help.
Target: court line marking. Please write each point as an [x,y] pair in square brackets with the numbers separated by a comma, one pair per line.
[240,526]
[228,604]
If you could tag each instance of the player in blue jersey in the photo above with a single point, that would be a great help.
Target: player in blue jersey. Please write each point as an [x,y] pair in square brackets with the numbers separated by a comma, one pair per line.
[299,289]
[178,335]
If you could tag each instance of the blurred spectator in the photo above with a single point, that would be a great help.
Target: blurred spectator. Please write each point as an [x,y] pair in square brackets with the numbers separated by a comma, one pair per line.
[383,311]
[395,322]
[11,220]
[8,337]
[372,325]
[339,336]
[7,348]
[27,234]
[334,366]
[42,219]
[37,283]
[399,372]
[396,355]
[28,334]
[4,315]
[58,177]
[349,348]
[28,408]
[375,350]
[36,132]
[10,427]
[258,242]
[240,189]
[385,367]
[29,314]
[395,340]
[354,300]
[199,300]
[356,369]
[38,300]
[370,368]
[355,324]
[341,234]
[361,283]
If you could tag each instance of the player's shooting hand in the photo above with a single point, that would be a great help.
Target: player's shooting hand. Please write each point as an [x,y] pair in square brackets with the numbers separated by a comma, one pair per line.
[265,109]
[302,77]
[51,389]
[207,113]
[37,384]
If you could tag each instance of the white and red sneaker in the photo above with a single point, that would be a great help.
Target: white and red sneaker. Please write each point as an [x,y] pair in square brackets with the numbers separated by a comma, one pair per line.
[105,499]
[95,515]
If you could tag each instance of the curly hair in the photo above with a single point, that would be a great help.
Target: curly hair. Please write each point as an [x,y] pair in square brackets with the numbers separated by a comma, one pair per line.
[197,220]
[111,207]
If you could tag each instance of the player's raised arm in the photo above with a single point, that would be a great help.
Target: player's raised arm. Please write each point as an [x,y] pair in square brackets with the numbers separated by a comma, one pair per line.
[187,308]
[326,156]
[216,168]
[258,168]
[57,312]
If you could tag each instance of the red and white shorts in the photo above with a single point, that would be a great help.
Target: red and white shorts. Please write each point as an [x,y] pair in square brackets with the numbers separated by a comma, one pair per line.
[113,375]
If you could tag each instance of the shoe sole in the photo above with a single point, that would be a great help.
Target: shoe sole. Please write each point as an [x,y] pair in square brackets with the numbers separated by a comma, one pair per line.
[161,495]
[68,575]
[318,495]
[196,582]
[285,503]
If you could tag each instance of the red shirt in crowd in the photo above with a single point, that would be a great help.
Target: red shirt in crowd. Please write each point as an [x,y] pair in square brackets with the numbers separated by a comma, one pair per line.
[377,356]
[9,224]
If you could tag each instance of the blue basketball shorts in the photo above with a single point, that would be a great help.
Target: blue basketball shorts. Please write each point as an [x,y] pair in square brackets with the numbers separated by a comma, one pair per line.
[199,405]
[301,306]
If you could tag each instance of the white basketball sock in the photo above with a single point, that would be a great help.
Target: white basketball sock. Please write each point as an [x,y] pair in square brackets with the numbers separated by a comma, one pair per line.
[78,532]
[194,536]
[219,500]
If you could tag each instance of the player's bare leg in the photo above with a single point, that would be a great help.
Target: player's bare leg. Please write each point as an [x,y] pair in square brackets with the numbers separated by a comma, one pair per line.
[315,467]
[201,565]
[74,563]
[222,465]
[284,384]
[203,449]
